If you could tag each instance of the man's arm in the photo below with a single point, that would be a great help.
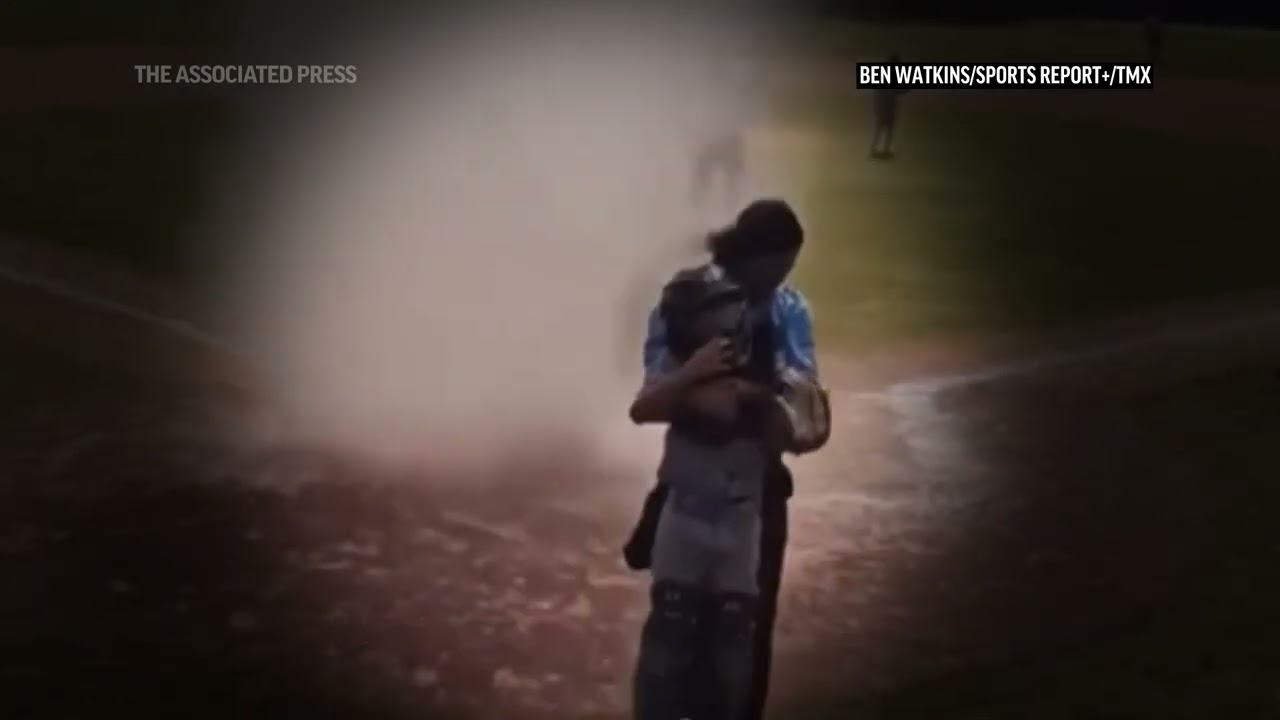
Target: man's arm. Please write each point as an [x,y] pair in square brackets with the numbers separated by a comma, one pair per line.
[671,389]
[663,384]
[661,398]
[654,356]
[795,323]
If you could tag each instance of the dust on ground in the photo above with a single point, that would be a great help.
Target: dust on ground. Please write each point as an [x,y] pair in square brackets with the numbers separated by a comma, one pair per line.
[155,550]
[136,523]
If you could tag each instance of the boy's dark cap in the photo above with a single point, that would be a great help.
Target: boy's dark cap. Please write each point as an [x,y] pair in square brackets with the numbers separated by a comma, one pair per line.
[763,227]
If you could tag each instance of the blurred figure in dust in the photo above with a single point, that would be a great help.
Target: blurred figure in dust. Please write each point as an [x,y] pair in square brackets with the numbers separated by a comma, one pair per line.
[756,252]
[722,153]
[1154,34]
[884,116]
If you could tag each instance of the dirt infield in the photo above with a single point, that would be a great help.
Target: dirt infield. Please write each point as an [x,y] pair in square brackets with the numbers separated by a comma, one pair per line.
[164,563]
[134,514]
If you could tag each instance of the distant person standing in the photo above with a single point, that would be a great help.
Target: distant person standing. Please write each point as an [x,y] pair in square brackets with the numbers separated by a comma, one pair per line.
[884,116]
[1154,31]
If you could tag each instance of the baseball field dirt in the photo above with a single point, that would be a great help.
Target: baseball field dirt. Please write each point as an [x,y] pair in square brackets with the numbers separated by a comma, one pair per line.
[160,556]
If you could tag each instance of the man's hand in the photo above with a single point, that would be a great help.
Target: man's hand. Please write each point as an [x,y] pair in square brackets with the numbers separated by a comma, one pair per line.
[708,361]
[661,399]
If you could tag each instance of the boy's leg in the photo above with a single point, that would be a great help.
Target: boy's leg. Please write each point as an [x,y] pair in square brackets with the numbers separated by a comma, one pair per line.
[733,629]
[668,651]
[666,670]
[732,614]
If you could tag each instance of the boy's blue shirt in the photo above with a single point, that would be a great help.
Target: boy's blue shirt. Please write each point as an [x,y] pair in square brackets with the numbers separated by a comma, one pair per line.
[792,334]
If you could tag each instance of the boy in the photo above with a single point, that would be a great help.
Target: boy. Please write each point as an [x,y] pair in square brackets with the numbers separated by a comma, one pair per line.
[696,647]
[763,345]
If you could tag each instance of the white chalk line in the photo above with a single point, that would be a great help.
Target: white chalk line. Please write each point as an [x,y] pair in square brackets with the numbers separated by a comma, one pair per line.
[929,432]
[178,328]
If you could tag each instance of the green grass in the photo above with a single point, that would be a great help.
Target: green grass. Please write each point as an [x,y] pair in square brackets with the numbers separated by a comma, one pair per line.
[999,221]
[989,221]
[1189,50]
